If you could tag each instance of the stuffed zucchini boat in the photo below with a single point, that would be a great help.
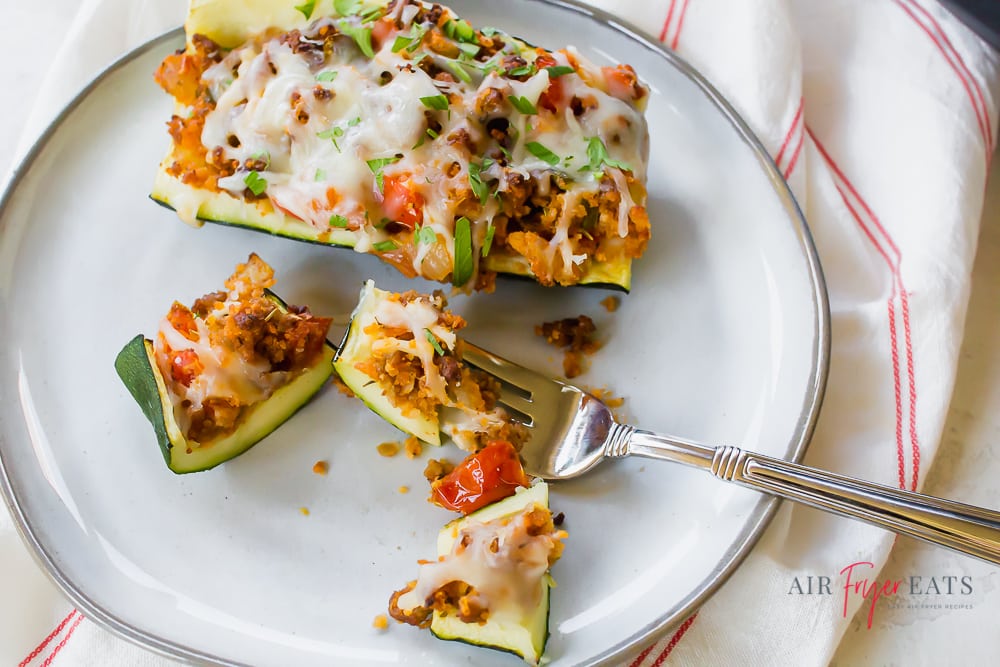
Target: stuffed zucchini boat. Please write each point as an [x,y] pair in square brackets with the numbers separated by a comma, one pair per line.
[400,130]
[401,356]
[224,373]
[490,584]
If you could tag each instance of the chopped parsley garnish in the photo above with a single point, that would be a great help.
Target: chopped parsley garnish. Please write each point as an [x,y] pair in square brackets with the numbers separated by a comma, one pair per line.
[598,154]
[460,30]
[327,75]
[439,102]
[384,246]
[523,104]
[459,70]
[320,175]
[432,134]
[347,7]
[542,153]
[362,37]
[376,167]
[262,155]
[462,270]
[354,121]
[371,14]
[479,187]
[411,41]
[426,235]
[559,70]
[488,241]
[255,182]
[469,49]
[488,31]
[332,134]
[307,8]
[434,342]
[522,70]
[338,221]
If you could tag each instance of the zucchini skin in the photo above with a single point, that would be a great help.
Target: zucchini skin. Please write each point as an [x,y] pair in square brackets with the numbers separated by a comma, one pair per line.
[137,368]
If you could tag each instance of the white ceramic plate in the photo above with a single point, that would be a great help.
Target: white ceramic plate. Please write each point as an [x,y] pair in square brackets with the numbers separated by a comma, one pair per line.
[723,339]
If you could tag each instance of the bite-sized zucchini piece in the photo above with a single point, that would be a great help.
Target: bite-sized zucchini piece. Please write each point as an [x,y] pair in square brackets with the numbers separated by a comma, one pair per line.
[451,153]
[402,357]
[222,375]
[490,584]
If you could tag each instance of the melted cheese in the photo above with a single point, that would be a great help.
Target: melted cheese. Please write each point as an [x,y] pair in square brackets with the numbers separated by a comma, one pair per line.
[499,559]
[275,104]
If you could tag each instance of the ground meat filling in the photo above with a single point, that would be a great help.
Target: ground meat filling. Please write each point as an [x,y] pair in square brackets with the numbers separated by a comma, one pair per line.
[244,329]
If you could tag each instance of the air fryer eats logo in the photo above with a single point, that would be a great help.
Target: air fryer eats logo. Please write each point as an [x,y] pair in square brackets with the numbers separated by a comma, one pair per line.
[916,591]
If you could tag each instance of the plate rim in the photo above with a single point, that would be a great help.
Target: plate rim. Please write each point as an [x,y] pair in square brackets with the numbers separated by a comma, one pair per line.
[759,517]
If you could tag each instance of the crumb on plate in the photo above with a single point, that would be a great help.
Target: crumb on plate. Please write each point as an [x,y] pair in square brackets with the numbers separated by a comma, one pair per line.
[404,489]
[388,449]
[611,303]
[321,467]
[304,511]
[437,468]
[576,334]
[412,447]
[381,622]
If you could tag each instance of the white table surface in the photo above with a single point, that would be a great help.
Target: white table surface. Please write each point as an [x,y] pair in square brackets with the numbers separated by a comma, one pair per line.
[919,628]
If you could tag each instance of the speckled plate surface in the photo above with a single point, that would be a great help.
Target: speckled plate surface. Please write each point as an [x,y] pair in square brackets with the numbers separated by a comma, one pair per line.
[723,339]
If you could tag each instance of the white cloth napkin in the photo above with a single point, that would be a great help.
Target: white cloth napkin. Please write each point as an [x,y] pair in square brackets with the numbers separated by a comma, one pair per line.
[882,115]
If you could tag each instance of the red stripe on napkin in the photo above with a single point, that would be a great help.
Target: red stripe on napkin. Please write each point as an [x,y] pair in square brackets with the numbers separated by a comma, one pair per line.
[45,642]
[795,155]
[685,626]
[790,133]
[59,646]
[665,31]
[666,23]
[958,66]
[680,24]
[867,222]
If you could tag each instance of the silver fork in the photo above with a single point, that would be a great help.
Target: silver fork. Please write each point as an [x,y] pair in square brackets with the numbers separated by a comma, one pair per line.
[572,431]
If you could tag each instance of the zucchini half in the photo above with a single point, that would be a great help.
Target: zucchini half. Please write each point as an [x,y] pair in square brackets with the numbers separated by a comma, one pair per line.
[230,23]
[527,638]
[136,366]
[355,348]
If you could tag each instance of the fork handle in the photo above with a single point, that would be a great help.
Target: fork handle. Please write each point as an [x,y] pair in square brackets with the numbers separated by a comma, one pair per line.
[965,528]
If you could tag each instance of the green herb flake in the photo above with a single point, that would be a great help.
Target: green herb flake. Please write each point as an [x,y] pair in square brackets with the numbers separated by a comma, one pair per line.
[559,70]
[327,75]
[255,182]
[262,155]
[426,235]
[462,270]
[362,37]
[378,164]
[432,339]
[432,134]
[479,187]
[438,102]
[320,175]
[523,104]
[460,30]
[523,70]
[338,221]
[371,14]
[488,241]
[306,8]
[347,7]
[542,153]
[354,121]
[471,50]
[488,31]
[401,42]
[459,70]
[597,152]
[384,246]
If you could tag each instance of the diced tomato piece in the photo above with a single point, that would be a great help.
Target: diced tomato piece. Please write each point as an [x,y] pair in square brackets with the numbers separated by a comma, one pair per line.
[490,475]
[185,366]
[182,319]
[553,97]
[400,203]
[622,82]
[382,31]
